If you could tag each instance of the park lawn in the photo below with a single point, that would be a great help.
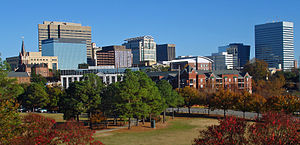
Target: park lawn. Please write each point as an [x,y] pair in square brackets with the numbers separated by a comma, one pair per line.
[58,117]
[180,131]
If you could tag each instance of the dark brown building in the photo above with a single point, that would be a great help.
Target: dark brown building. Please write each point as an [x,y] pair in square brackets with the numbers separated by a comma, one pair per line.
[115,55]
[165,52]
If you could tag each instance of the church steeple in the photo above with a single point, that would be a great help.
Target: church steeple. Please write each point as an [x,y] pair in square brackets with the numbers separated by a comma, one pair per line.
[23,52]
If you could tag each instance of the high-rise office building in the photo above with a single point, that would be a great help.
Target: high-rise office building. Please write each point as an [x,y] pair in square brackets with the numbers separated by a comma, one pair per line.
[70,52]
[143,49]
[240,54]
[222,61]
[274,43]
[117,56]
[165,52]
[49,30]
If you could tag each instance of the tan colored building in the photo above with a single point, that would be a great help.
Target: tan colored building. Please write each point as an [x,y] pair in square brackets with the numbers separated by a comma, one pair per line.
[32,58]
[52,29]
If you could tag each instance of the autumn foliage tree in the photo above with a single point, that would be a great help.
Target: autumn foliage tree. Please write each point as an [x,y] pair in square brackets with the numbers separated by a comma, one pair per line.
[223,99]
[190,95]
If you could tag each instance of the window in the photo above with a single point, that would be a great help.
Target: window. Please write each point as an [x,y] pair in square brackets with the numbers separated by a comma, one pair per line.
[201,80]
[201,86]
[229,80]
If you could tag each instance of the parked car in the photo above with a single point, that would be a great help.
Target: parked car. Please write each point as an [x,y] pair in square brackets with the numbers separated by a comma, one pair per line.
[43,110]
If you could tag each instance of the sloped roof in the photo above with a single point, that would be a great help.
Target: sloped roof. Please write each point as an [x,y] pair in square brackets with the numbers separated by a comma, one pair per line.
[17,74]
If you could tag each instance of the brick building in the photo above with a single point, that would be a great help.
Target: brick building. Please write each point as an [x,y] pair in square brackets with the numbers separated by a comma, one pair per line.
[117,56]
[21,77]
[203,79]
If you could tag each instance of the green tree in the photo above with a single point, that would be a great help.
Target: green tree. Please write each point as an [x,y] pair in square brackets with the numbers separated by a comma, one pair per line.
[170,97]
[129,102]
[93,85]
[9,117]
[73,103]
[35,96]
[55,94]
[37,78]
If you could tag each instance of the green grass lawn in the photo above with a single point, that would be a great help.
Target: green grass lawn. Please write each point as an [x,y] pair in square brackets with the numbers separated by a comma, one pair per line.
[58,117]
[180,131]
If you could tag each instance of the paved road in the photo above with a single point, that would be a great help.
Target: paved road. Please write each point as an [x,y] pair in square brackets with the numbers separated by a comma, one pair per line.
[248,115]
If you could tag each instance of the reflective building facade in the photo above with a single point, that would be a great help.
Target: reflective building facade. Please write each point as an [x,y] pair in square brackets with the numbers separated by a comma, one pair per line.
[274,43]
[240,54]
[70,52]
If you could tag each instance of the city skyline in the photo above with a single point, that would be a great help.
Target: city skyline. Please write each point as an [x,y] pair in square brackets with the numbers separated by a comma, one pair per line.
[197,28]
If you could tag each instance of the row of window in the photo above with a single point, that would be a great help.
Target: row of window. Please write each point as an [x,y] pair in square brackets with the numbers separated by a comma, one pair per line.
[33,59]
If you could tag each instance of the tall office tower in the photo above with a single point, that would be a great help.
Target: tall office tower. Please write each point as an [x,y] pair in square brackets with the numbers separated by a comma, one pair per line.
[143,49]
[222,61]
[117,56]
[165,52]
[70,52]
[49,30]
[274,43]
[240,53]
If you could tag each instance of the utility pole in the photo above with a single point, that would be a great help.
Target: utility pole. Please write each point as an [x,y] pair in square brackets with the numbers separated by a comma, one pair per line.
[178,76]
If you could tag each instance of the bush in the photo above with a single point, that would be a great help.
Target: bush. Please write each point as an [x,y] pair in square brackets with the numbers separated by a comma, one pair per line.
[44,131]
[230,131]
[275,128]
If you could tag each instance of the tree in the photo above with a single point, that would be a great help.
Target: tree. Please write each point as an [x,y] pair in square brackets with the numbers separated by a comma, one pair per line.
[129,102]
[258,103]
[73,103]
[9,117]
[55,94]
[37,78]
[110,99]
[35,96]
[244,101]
[224,99]
[93,85]
[258,70]
[190,95]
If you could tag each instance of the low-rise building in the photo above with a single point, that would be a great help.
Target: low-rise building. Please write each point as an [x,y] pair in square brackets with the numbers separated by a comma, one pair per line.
[203,79]
[21,77]
[32,58]
[108,76]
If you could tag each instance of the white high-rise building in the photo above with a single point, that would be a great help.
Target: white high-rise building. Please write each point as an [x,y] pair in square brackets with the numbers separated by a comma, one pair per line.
[274,43]
[143,49]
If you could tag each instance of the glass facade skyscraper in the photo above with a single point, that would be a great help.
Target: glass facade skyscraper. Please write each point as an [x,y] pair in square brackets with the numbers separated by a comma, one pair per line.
[70,52]
[274,43]
[240,53]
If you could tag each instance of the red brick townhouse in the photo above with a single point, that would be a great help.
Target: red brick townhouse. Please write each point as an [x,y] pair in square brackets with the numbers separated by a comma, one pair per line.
[203,79]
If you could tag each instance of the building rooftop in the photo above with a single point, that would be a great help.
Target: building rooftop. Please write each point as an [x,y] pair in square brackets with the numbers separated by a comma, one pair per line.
[139,38]
[17,74]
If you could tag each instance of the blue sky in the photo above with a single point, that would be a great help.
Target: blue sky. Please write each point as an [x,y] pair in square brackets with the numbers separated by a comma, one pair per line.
[197,27]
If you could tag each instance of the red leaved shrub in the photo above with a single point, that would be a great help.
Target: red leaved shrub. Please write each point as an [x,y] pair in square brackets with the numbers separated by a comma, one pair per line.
[275,128]
[39,130]
[230,131]
[74,133]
